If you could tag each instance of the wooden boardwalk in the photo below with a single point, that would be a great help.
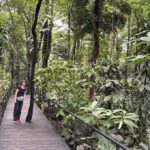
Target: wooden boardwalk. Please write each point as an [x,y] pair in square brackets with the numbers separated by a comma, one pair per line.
[39,135]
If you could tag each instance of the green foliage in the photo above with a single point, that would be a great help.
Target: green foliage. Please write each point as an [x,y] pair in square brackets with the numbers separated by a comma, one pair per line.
[122,71]
[139,59]
[107,118]
[63,79]
[68,83]
[104,144]
[4,81]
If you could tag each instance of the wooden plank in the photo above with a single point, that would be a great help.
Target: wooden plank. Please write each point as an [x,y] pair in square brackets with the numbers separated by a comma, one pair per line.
[39,135]
[0,108]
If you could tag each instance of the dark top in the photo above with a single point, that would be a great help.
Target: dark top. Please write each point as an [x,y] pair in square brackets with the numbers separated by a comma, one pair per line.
[21,91]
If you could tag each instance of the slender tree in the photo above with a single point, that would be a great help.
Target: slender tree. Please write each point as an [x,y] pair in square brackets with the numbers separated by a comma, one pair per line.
[69,29]
[34,60]
[16,41]
[95,52]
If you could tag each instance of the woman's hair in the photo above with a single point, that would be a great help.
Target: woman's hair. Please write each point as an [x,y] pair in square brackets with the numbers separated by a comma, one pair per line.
[22,82]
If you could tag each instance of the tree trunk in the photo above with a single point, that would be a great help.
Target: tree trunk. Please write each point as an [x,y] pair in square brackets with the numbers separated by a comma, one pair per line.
[74,47]
[25,26]
[28,77]
[28,67]
[95,52]
[1,57]
[126,65]
[12,66]
[47,7]
[16,45]
[112,49]
[34,60]
[127,52]
[69,28]
[77,40]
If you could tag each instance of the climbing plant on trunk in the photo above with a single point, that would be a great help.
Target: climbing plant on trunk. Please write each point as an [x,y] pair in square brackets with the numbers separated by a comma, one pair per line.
[46,33]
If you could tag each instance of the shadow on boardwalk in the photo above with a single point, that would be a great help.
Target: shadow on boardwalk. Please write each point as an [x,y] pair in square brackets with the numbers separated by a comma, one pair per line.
[40,135]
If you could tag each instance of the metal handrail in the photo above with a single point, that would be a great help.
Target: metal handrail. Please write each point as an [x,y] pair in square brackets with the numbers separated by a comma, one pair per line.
[4,100]
[113,141]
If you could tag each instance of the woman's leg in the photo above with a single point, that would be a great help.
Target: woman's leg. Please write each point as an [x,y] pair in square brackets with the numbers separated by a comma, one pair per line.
[19,109]
[15,111]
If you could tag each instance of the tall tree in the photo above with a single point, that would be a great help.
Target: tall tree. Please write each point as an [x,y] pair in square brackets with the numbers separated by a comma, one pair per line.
[34,60]
[98,4]
[69,28]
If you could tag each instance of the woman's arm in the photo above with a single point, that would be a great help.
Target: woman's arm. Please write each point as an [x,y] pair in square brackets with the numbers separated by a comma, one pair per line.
[16,94]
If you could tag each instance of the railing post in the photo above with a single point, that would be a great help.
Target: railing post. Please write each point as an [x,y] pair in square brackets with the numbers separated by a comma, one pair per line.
[2,104]
[117,147]
[74,136]
[2,109]
[1,112]
[41,96]
[37,93]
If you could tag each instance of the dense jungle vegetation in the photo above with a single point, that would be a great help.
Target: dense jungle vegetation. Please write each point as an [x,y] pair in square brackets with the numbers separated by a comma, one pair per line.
[91,56]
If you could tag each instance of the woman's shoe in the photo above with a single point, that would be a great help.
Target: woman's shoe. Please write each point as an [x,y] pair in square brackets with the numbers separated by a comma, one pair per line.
[17,121]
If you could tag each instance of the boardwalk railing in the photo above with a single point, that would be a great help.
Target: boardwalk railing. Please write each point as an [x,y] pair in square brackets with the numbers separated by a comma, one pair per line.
[117,145]
[3,102]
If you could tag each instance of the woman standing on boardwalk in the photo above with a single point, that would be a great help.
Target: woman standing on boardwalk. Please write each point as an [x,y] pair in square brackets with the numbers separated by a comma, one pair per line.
[19,97]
